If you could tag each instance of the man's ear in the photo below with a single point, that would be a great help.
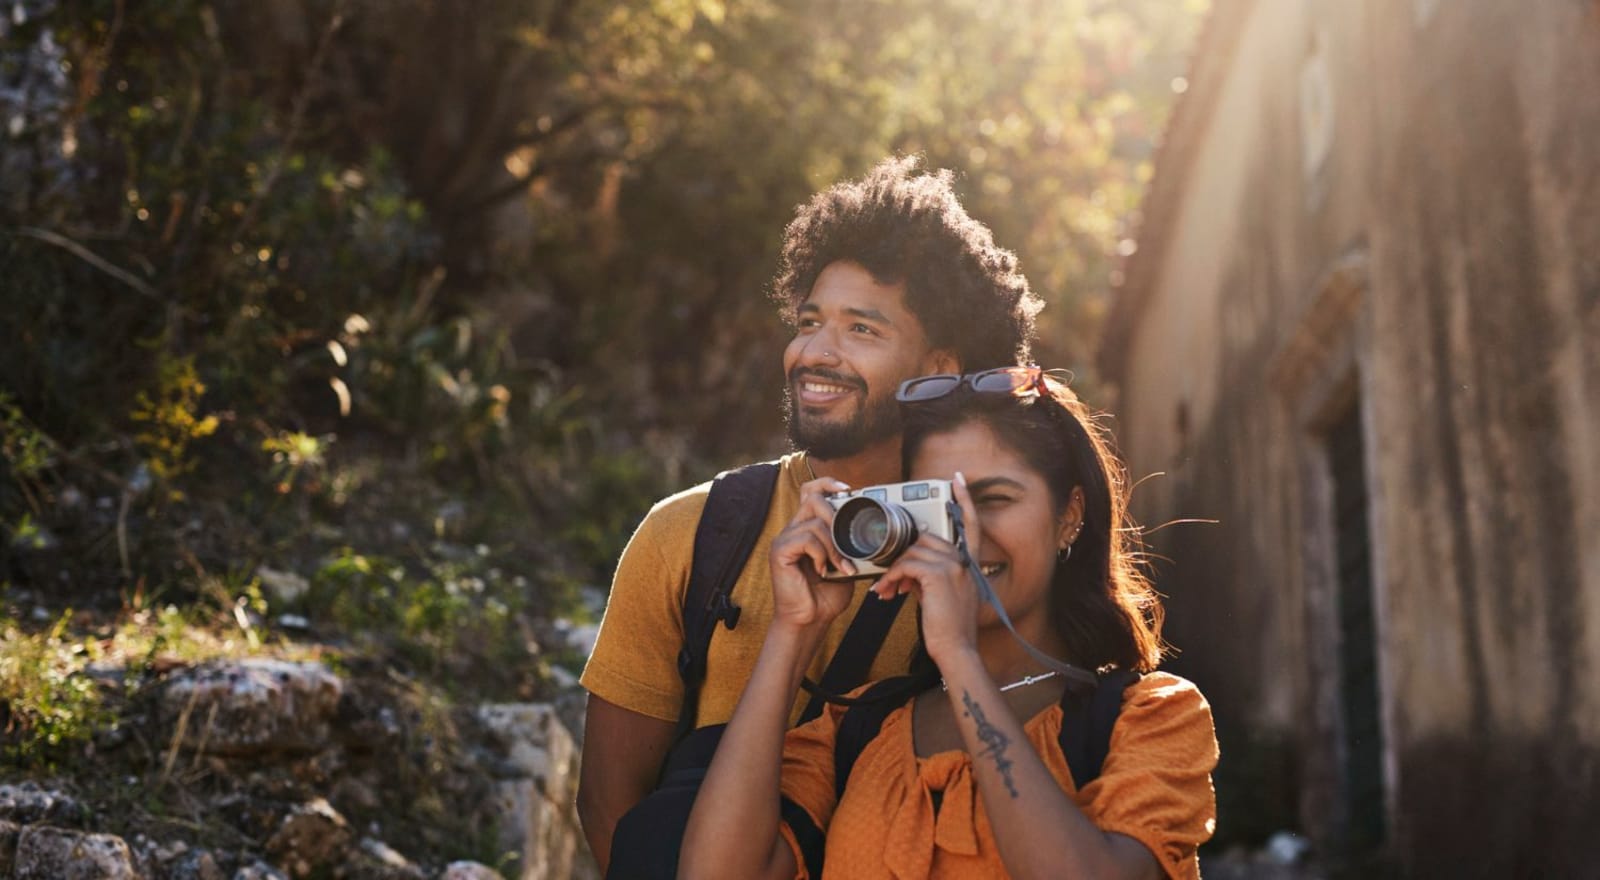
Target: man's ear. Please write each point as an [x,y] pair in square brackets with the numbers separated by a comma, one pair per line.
[943,360]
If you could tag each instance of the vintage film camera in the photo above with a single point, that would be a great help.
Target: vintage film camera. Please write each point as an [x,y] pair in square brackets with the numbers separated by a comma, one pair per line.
[872,526]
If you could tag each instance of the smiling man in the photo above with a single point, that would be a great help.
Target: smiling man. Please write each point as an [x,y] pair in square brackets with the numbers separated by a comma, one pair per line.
[883,279]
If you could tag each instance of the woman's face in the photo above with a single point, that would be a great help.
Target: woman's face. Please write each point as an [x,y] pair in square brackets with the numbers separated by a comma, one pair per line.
[1021,529]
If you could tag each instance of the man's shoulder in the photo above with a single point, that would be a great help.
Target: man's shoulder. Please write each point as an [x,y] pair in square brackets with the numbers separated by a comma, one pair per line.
[680,512]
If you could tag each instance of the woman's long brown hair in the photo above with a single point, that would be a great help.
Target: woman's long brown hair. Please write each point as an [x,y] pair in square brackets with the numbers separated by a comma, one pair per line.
[1102,603]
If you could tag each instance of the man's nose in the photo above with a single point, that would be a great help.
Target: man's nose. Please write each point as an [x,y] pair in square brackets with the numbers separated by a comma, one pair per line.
[821,349]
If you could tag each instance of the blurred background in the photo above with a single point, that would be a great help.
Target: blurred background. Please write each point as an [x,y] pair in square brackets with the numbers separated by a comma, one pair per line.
[359,334]
[277,261]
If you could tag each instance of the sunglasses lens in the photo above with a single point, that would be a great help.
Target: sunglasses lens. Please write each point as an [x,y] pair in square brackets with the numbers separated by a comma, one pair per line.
[928,387]
[1009,379]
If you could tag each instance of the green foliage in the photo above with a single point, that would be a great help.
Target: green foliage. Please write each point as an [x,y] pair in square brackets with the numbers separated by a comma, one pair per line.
[325,270]
[27,452]
[297,458]
[49,704]
[168,419]
[454,613]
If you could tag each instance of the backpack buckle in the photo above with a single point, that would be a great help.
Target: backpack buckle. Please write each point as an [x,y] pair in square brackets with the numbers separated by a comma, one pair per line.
[725,611]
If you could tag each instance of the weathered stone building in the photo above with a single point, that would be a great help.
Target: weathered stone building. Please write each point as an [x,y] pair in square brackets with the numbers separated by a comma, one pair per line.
[1362,332]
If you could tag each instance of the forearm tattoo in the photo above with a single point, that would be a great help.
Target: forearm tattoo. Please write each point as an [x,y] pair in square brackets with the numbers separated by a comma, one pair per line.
[993,738]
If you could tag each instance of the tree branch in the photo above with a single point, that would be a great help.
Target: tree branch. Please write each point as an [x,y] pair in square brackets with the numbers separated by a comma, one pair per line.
[88,256]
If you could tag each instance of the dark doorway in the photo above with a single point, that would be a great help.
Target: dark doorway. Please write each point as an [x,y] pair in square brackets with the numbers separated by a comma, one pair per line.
[1365,818]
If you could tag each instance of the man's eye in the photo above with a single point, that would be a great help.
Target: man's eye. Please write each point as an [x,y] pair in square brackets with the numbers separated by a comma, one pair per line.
[863,328]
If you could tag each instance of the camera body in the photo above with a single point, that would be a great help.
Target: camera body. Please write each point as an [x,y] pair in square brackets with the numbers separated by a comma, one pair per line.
[874,525]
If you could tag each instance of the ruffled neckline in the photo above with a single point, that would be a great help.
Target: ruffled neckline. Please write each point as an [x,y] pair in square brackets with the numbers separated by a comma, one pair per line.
[917,829]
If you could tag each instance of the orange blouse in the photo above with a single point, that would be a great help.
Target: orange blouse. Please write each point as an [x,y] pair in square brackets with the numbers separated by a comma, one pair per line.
[1154,787]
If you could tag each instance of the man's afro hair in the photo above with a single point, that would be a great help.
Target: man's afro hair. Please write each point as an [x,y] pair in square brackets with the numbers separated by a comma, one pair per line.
[906,226]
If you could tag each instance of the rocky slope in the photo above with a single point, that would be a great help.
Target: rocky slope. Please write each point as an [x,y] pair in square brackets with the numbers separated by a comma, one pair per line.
[261,768]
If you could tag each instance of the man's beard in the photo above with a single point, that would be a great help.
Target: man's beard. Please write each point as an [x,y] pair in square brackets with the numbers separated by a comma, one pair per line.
[871,422]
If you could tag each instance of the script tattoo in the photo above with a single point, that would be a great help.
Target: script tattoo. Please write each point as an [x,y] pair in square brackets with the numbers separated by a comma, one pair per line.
[991,737]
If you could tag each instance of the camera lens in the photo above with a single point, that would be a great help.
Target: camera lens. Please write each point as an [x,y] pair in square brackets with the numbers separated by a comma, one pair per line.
[872,531]
[869,528]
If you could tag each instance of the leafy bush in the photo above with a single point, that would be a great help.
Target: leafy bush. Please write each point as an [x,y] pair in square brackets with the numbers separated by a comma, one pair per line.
[288,280]
[47,703]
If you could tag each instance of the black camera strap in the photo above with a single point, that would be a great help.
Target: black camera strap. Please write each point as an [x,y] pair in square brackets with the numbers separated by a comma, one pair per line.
[987,594]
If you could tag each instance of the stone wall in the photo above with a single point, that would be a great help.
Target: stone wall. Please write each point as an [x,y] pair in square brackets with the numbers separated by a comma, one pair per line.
[1393,206]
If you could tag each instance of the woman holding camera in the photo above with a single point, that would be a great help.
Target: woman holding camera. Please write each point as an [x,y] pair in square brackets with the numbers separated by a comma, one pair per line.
[968,779]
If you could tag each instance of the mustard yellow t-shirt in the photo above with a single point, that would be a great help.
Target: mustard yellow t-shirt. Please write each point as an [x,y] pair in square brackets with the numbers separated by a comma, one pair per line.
[635,659]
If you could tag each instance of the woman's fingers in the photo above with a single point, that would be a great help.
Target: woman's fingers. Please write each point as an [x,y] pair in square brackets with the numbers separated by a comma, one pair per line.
[814,505]
[807,539]
[928,560]
[819,547]
[814,496]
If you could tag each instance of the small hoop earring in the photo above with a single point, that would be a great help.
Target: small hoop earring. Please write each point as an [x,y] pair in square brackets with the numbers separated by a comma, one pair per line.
[1064,553]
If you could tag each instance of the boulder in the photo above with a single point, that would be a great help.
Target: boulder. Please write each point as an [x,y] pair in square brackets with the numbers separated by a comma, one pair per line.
[372,859]
[27,802]
[252,706]
[45,852]
[8,846]
[313,835]
[259,871]
[283,587]
[195,865]
[536,762]
[177,861]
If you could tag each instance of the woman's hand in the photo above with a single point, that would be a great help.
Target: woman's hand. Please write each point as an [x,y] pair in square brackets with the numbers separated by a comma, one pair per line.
[800,553]
[933,570]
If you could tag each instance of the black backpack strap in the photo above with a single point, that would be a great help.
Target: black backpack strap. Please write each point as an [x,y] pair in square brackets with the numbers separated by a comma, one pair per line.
[1086,721]
[853,659]
[730,525]
[861,722]
[812,841]
[857,726]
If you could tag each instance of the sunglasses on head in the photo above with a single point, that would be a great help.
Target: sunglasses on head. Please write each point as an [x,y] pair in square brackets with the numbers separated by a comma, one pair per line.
[1017,381]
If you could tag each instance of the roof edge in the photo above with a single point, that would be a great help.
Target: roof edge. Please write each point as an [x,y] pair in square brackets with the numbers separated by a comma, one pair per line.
[1209,64]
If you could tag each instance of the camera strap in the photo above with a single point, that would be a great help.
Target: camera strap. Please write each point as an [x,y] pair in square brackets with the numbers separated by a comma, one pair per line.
[987,594]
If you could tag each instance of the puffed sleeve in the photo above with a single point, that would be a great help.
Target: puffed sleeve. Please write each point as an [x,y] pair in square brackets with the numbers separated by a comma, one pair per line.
[1155,786]
[807,786]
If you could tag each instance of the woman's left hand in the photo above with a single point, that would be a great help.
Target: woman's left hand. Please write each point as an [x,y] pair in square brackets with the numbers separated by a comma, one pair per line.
[932,570]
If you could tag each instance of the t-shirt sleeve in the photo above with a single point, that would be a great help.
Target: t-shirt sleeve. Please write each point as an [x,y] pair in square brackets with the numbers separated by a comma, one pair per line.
[807,782]
[1155,785]
[635,658]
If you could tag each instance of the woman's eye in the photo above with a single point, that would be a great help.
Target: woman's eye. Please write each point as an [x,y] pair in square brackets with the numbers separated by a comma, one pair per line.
[862,328]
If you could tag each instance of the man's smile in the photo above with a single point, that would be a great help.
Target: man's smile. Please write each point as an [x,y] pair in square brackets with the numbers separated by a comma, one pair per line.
[812,389]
